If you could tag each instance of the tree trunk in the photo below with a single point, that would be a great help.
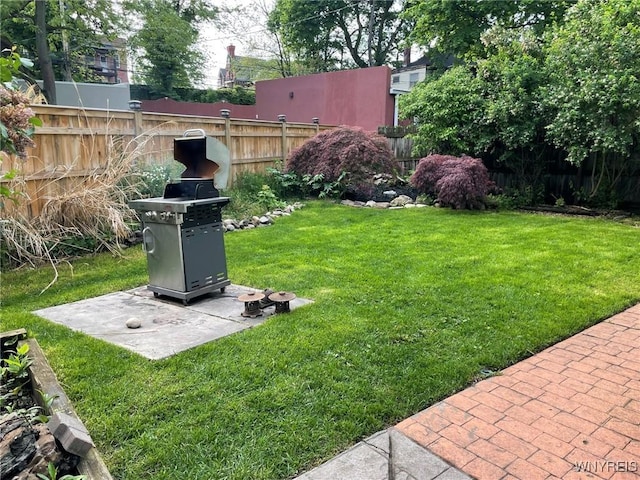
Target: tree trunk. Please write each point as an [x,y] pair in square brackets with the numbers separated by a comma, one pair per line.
[44,55]
[370,32]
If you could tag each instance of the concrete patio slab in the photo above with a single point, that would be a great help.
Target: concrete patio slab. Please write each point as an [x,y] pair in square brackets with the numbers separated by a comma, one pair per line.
[167,326]
[386,455]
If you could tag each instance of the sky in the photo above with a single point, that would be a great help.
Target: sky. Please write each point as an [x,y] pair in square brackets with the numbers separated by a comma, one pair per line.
[214,41]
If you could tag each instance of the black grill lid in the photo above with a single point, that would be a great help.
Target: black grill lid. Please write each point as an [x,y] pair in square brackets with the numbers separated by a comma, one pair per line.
[192,189]
[203,156]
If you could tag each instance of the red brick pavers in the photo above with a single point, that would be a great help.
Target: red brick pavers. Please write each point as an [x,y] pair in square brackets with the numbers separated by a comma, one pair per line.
[569,412]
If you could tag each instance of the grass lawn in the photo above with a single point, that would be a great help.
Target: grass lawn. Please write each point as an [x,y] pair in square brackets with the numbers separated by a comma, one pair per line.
[410,306]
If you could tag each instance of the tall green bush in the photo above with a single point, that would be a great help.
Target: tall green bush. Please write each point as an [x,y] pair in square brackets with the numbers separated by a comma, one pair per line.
[593,93]
[532,100]
[448,110]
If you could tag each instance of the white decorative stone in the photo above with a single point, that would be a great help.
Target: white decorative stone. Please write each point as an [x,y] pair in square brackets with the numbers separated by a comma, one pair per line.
[133,322]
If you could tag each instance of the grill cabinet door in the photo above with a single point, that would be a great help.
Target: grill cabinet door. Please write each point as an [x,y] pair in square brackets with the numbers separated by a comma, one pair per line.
[164,256]
[204,257]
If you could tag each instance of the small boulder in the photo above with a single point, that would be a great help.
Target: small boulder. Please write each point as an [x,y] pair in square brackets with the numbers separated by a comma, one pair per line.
[133,323]
[401,201]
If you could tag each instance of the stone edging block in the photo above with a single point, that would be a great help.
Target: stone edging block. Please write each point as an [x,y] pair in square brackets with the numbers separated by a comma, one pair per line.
[71,433]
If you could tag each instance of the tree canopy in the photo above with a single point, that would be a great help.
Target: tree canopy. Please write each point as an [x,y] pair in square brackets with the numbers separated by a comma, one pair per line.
[593,94]
[335,34]
[165,44]
[456,27]
[58,34]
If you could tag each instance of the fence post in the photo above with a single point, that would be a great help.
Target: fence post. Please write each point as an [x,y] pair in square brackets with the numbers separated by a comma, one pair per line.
[226,114]
[136,107]
[137,123]
[283,120]
[227,132]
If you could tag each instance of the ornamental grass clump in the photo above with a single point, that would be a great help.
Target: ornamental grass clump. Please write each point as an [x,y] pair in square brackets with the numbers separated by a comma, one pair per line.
[457,182]
[90,215]
[351,156]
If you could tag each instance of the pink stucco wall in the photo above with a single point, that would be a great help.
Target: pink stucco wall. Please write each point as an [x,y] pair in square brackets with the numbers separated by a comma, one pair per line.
[350,97]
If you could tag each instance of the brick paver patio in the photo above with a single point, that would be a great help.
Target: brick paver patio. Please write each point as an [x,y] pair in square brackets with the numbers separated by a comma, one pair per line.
[569,412]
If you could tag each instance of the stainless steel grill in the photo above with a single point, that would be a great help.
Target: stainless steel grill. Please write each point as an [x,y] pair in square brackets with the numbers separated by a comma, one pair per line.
[182,231]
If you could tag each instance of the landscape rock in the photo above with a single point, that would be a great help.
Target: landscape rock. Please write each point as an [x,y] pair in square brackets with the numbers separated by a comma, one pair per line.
[133,323]
[382,178]
[401,201]
[232,225]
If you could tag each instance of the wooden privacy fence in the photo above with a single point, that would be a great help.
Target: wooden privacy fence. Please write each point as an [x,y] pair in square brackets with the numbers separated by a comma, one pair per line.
[401,145]
[75,145]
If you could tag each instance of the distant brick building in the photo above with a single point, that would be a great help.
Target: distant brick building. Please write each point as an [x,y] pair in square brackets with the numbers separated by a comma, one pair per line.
[241,71]
[109,62]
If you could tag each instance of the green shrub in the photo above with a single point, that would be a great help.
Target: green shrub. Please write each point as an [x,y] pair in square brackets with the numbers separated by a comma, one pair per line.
[251,194]
[267,199]
[152,178]
[291,184]
[286,184]
[249,183]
